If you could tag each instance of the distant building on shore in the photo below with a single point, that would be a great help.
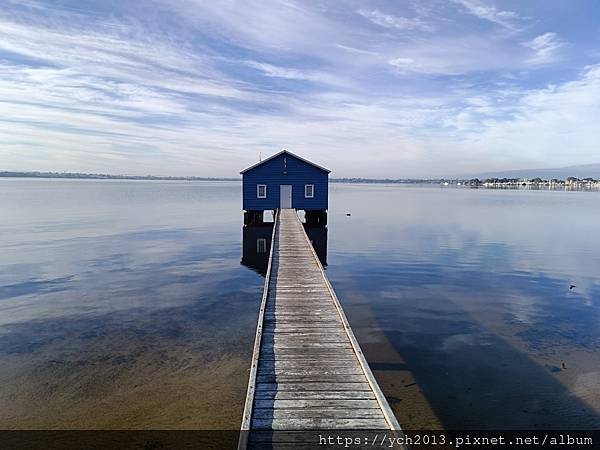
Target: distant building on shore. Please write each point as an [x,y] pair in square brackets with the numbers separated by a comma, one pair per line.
[534,183]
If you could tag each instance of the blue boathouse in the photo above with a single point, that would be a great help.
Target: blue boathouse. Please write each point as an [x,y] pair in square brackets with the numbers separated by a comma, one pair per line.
[285,181]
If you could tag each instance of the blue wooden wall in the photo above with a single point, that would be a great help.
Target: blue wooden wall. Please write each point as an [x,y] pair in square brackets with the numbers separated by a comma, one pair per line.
[272,174]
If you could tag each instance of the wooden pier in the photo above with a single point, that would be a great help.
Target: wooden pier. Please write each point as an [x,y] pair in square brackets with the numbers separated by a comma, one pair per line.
[308,371]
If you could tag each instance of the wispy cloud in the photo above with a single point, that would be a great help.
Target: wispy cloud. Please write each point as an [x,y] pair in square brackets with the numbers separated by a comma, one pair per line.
[546,48]
[397,22]
[404,64]
[455,55]
[506,19]
[290,73]
[556,124]
[356,50]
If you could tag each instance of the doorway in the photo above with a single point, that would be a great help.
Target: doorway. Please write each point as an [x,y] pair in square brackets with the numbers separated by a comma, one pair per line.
[285,196]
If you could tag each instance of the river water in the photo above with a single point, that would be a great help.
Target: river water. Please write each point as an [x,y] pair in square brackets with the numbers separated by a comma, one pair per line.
[124,304]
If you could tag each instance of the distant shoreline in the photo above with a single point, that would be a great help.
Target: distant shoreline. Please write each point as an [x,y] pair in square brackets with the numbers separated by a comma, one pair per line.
[502,183]
[100,176]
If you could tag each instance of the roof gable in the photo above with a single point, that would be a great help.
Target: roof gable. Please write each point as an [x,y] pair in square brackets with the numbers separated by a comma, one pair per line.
[287,153]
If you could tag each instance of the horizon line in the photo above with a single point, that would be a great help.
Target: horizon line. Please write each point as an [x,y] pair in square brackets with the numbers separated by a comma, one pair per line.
[107,176]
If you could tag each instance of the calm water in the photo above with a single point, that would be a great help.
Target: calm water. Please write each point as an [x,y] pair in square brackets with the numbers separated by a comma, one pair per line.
[124,304]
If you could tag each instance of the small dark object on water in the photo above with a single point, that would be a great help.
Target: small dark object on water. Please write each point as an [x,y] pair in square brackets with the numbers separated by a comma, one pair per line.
[571,287]
[409,384]
[348,214]
[563,365]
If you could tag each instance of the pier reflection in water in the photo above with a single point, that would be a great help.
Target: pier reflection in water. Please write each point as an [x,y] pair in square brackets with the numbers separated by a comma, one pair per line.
[256,244]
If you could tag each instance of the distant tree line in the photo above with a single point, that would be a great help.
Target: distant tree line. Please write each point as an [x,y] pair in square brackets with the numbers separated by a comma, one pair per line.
[387,180]
[102,176]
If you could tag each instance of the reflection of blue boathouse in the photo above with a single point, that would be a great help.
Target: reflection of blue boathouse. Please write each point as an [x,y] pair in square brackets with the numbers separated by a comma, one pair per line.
[256,245]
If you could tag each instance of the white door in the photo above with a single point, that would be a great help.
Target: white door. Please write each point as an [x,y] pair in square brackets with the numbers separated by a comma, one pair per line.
[285,196]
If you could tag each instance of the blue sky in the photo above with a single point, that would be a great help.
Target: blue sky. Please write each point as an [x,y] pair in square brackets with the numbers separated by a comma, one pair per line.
[418,88]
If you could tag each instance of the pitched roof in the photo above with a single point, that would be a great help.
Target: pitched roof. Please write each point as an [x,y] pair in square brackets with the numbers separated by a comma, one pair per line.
[287,153]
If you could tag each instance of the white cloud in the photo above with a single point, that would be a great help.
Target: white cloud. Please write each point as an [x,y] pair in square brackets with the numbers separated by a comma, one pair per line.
[402,63]
[145,61]
[392,21]
[546,48]
[356,50]
[553,126]
[454,55]
[266,25]
[271,70]
[506,19]
[277,71]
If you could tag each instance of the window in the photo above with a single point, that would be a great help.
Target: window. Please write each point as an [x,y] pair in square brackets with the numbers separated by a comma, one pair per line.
[261,245]
[261,190]
[309,190]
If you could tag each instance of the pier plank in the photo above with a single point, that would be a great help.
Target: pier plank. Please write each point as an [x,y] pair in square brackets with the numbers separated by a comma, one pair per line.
[314,386]
[318,403]
[307,395]
[314,423]
[324,413]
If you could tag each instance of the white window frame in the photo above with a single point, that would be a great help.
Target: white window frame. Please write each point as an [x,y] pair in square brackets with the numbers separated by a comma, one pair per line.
[312,191]
[258,186]
[261,245]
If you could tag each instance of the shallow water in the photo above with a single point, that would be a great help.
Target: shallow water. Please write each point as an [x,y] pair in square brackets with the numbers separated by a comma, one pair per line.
[123,304]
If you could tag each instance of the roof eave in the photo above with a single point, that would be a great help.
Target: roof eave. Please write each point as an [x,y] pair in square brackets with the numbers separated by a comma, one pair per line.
[280,153]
